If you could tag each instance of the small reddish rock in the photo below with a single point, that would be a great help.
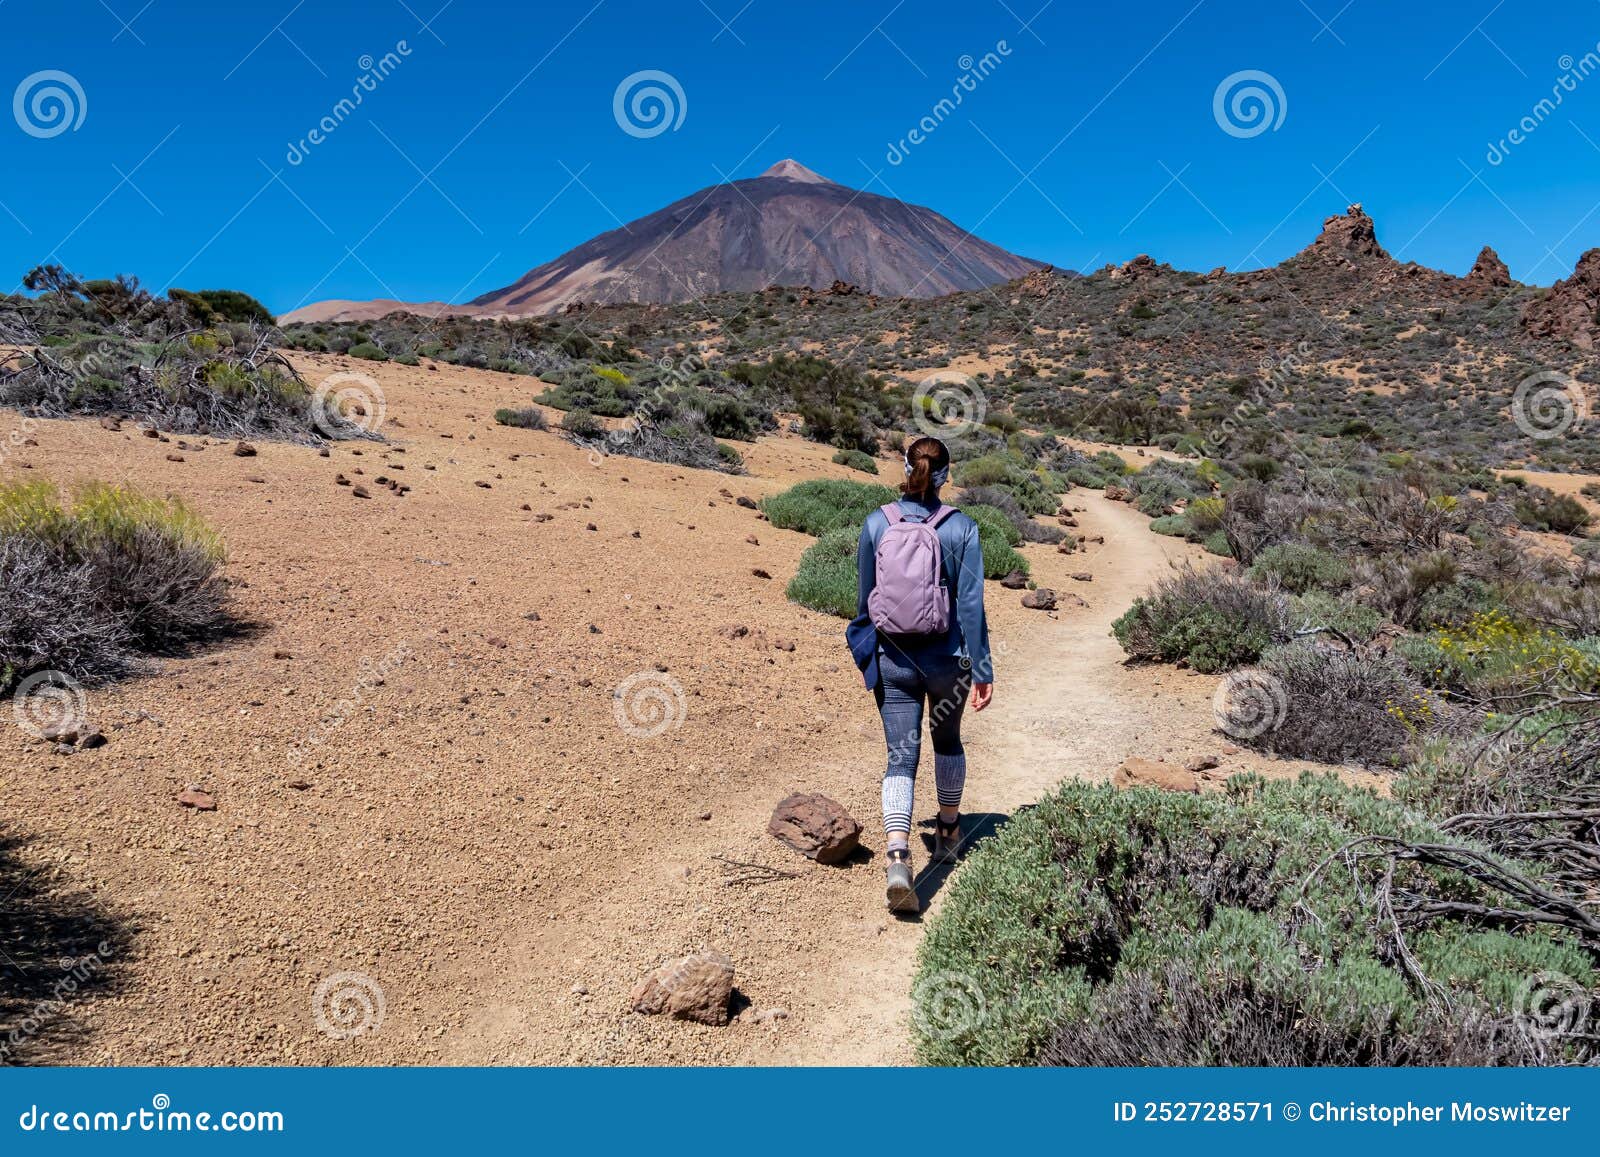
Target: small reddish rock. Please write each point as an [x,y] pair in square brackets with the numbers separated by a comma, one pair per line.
[201,801]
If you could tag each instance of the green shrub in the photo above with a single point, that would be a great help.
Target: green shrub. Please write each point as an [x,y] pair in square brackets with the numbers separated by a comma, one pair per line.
[857,460]
[87,582]
[993,524]
[998,538]
[582,424]
[825,504]
[1494,654]
[527,418]
[1211,619]
[369,352]
[1356,621]
[827,577]
[837,404]
[586,388]
[1542,510]
[1299,568]
[212,305]
[1106,927]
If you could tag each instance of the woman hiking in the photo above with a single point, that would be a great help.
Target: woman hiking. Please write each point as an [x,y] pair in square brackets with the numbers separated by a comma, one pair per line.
[922,642]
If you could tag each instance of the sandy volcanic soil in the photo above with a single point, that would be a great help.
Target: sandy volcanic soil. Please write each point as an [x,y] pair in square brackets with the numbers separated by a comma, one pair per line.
[470,826]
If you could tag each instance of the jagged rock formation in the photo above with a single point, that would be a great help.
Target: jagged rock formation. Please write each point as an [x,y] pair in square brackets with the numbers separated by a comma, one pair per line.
[1569,310]
[1347,241]
[1489,272]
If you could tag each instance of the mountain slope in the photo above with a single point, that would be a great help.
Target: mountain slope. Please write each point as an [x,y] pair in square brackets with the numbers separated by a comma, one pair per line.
[789,226]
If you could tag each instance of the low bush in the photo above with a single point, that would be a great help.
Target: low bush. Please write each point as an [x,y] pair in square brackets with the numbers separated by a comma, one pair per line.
[1212,619]
[825,504]
[1493,654]
[586,388]
[582,424]
[857,460]
[1540,509]
[368,352]
[526,418]
[1298,568]
[88,582]
[1340,613]
[1004,500]
[1310,700]
[837,404]
[1272,924]
[998,538]
[827,577]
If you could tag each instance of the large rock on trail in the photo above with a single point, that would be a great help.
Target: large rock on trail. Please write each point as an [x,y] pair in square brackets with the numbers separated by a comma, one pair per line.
[1043,599]
[817,827]
[695,988]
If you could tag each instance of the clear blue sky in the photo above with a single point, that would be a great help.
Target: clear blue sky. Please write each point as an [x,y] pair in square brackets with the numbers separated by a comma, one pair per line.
[491,145]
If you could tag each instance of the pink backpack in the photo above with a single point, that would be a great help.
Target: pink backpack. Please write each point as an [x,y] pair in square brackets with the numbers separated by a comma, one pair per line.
[909,597]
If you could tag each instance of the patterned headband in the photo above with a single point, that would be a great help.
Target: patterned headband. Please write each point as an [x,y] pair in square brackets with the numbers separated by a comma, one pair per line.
[937,479]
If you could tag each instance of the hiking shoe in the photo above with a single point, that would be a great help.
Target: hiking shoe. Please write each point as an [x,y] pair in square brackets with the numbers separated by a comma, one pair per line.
[901,894]
[946,841]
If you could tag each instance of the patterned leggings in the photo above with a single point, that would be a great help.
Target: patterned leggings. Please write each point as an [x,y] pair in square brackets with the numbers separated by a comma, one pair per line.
[904,688]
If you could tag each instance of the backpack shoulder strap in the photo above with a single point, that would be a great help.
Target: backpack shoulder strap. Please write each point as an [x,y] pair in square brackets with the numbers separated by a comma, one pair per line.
[892,511]
[941,514]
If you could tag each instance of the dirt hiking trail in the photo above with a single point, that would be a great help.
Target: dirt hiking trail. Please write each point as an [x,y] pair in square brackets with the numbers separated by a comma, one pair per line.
[821,948]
